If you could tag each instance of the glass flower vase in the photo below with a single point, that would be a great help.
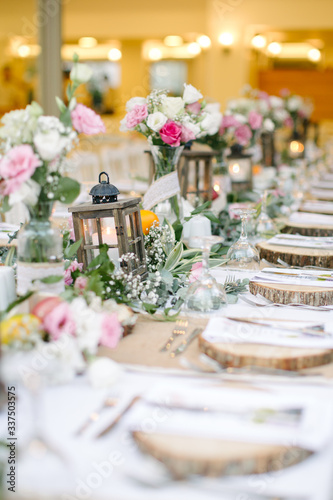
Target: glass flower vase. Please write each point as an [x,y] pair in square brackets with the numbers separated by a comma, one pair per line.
[166,189]
[40,264]
[221,177]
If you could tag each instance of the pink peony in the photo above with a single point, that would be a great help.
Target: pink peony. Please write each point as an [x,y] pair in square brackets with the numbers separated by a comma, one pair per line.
[74,266]
[195,107]
[171,133]
[263,95]
[17,167]
[59,321]
[196,271]
[187,135]
[85,120]
[288,122]
[243,135]
[255,120]
[81,283]
[229,121]
[136,115]
[111,330]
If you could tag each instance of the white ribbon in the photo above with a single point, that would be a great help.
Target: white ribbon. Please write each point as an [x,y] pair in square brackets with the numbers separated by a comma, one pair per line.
[161,190]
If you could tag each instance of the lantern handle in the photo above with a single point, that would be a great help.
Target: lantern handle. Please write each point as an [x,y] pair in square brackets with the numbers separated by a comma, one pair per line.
[107,176]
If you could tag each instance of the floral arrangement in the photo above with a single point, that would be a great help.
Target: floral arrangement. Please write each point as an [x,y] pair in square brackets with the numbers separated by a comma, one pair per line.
[298,107]
[34,147]
[164,120]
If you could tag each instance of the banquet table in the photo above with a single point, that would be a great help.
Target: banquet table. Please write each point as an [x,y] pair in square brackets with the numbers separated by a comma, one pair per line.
[113,466]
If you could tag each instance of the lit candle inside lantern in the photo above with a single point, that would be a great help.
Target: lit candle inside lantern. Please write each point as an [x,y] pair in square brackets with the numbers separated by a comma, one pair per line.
[239,170]
[109,236]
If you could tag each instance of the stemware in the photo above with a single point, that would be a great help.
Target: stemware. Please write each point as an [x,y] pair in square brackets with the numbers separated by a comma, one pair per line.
[265,224]
[243,255]
[205,294]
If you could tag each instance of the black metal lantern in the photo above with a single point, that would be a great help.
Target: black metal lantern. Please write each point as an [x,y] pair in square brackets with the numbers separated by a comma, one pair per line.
[240,169]
[104,192]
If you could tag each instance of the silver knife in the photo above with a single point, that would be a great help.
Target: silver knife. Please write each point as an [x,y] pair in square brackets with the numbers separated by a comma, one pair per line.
[186,342]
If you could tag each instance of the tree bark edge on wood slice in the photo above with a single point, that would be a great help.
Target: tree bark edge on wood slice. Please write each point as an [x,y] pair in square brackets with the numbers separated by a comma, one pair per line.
[295,256]
[307,230]
[265,356]
[291,294]
[187,455]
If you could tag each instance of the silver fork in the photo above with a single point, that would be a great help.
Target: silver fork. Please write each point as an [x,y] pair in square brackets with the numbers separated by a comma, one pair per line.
[179,329]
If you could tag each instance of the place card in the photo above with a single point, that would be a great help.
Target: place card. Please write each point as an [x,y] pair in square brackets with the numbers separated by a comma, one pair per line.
[311,219]
[308,277]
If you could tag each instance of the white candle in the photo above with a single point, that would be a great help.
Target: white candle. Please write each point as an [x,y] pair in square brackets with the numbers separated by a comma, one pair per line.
[109,236]
[240,170]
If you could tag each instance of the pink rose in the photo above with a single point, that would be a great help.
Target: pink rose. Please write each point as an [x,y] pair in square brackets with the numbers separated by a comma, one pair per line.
[17,167]
[255,120]
[229,121]
[243,135]
[85,120]
[59,321]
[187,135]
[171,133]
[288,122]
[136,115]
[263,95]
[111,330]
[81,283]
[74,266]
[194,107]
[196,271]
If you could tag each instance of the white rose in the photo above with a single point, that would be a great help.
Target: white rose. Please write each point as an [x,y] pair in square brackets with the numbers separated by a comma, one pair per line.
[240,118]
[103,372]
[268,125]
[172,106]
[191,94]
[294,103]
[211,123]
[280,115]
[50,144]
[155,121]
[27,193]
[263,106]
[194,127]
[81,73]
[276,102]
[135,101]
[123,126]
[212,107]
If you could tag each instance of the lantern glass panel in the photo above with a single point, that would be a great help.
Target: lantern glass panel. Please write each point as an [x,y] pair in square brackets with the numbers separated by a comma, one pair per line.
[240,169]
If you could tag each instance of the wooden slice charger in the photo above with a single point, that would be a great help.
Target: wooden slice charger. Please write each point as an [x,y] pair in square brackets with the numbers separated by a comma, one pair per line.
[295,256]
[186,455]
[267,356]
[307,229]
[293,294]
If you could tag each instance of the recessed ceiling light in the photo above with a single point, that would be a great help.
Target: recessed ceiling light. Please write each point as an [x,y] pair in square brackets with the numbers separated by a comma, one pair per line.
[173,41]
[87,42]
[114,54]
[226,39]
[24,51]
[274,48]
[204,41]
[193,48]
[155,54]
[314,55]
[258,42]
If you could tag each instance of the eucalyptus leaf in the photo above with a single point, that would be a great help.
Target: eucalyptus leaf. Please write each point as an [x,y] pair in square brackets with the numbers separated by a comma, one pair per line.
[5,207]
[67,190]
[72,249]
[49,280]
[202,207]
[232,298]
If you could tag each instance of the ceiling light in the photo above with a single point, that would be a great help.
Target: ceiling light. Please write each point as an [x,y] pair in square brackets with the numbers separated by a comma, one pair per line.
[24,51]
[314,55]
[173,41]
[114,54]
[155,54]
[226,39]
[204,41]
[193,48]
[87,42]
[258,42]
[274,48]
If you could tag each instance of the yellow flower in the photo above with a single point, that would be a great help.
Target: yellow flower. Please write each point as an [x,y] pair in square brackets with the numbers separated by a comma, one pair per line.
[19,327]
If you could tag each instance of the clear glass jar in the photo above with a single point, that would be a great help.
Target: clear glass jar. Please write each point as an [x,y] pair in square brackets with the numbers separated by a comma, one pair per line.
[167,189]
[40,253]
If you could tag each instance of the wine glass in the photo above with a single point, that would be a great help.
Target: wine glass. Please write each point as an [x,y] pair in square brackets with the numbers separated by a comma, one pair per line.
[243,255]
[265,224]
[205,295]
